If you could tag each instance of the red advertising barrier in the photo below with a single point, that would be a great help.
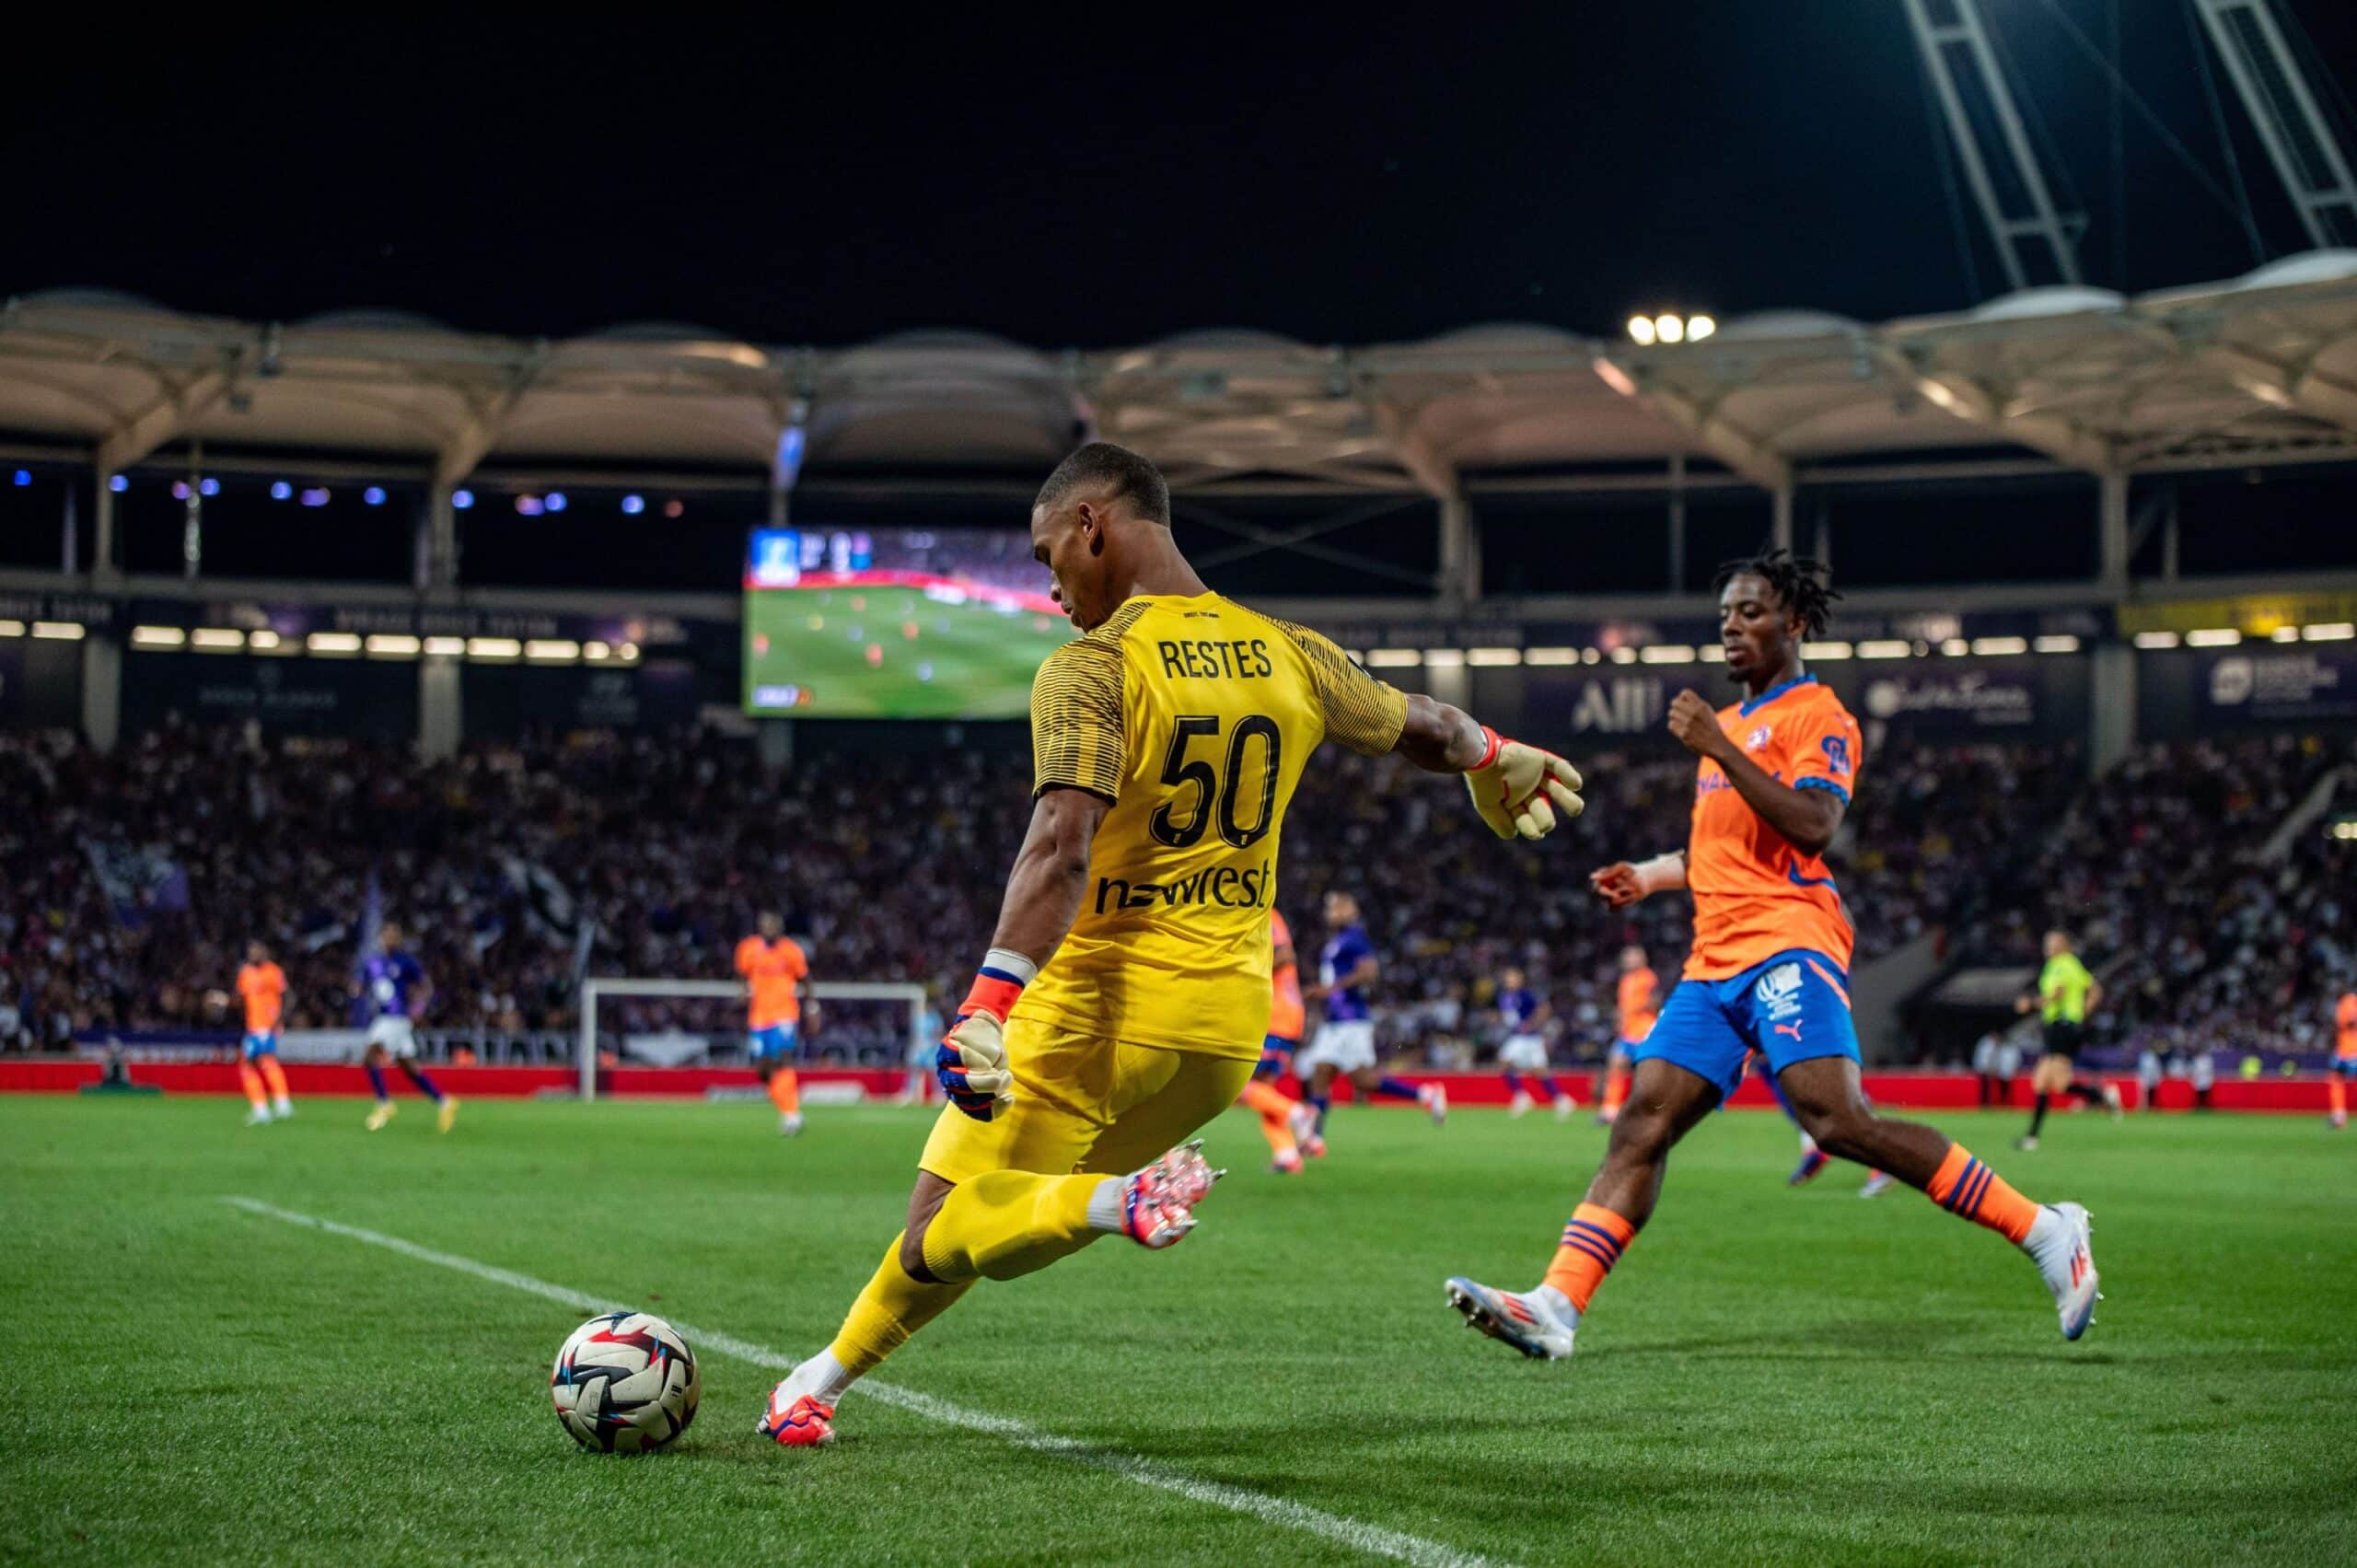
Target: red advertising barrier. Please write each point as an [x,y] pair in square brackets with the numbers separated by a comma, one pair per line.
[1907,1091]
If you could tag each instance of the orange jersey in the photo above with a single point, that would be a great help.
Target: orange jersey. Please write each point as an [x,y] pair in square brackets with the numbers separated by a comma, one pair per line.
[2345,1017]
[1637,1008]
[771,968]
[1755,895]
[263,986]
[1286,1016]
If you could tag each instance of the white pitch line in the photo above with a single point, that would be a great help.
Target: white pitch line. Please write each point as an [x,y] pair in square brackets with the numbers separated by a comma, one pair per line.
[1372,1540]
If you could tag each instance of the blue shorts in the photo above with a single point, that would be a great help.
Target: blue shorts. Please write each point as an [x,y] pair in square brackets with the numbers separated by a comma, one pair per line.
[2345,1065]
[261,1045]
[778,1040]
[1793,1007]
[1276,1056]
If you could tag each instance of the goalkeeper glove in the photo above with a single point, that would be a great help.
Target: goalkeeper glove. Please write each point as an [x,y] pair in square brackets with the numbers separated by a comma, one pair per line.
[970,1061]
[1521,790]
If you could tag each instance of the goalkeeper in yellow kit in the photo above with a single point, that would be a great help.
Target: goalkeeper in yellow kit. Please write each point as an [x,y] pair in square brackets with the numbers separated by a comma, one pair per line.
[1125,996]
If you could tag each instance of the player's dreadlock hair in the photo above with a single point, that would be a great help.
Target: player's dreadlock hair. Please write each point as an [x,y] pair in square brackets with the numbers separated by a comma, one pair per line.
[1805,586]
[1124,473]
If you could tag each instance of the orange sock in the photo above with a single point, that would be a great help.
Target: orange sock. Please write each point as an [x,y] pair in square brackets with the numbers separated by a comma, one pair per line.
[275,1076]
[251,1081]
[1592,1244]
[1276,1114]
[785,1091]
[1965,1187]
[2337,1089]
[1616,1089]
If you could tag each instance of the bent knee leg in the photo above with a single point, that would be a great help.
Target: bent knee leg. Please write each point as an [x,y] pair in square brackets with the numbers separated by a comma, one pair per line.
[924,1202]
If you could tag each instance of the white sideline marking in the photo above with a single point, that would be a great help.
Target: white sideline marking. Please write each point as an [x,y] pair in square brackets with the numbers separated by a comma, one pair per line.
[1372,1539]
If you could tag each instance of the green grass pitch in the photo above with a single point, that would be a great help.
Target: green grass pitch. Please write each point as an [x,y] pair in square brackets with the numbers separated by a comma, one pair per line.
[1771,1375]
[848,652]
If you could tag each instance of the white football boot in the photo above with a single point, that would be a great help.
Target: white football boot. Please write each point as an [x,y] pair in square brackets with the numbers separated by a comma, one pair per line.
[1530,1323]
[1519,1106]
[2059,1245]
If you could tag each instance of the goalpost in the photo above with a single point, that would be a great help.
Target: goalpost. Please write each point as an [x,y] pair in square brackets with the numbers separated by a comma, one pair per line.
[904,992]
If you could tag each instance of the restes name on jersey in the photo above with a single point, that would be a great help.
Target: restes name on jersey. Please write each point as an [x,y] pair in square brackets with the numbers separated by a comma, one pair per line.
[1254,886]
[1211,661]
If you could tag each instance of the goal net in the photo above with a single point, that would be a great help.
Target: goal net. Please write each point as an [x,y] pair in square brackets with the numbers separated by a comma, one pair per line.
[700,1022]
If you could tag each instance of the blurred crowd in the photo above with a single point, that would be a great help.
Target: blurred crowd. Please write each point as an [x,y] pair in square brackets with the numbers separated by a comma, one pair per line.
[2215,919]
[130,881]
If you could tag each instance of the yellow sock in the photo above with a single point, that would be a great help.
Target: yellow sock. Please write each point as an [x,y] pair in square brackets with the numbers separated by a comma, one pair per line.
[785,1091]
[1004,1223]
[892,1307]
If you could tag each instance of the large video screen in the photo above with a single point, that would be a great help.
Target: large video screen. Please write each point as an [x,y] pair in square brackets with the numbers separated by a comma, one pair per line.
[897,623]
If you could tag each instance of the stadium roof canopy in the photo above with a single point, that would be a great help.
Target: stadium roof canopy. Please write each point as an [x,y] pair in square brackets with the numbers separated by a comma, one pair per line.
[2256,369]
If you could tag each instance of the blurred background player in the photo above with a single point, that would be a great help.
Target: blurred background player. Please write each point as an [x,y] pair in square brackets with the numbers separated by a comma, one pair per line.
[918,1088]
[1103,1028]
[1285,1123]
[2344,1054]
[262,985]
[394,989]
[1996,1058]
[2150,1072]
[1638,1002]
[1345,1039]
[2203,1072]
[1768,972]
[774,967]
[1526,1014]
[2066,994]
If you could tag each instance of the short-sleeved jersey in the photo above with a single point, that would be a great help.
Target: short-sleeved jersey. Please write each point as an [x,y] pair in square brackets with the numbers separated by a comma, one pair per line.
[1639,1003]
[1754,894]
[2062,987]
[1519,1008]
[1286,1015]
[1193,717]
[390,982]
[2344,1044]
[1343,953]
[770,969]
[263,986]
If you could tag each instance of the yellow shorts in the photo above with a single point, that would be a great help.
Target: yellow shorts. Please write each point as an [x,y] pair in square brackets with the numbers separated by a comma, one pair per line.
[1084,1103]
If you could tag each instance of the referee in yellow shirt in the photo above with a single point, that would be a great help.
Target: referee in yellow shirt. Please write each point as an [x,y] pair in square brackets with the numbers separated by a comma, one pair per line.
[2066,994]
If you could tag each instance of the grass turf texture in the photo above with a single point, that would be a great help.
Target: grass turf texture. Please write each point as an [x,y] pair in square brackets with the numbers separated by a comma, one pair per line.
[1771,1375]
[981,657]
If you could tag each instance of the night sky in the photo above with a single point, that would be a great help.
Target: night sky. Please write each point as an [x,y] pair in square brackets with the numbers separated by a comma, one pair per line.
[1094,182]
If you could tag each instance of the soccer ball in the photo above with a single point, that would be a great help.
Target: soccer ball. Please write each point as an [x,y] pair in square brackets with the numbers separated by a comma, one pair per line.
[625,1383]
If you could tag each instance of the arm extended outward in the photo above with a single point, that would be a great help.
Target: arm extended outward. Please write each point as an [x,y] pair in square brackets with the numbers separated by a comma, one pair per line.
[1520,790]
[1622,884]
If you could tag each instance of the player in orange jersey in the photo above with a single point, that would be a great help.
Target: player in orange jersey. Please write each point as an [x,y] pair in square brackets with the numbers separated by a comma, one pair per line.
[262,985]
[1639,1003]
[1768,972]
[2344,1054]
[1290,1126]
[774,967]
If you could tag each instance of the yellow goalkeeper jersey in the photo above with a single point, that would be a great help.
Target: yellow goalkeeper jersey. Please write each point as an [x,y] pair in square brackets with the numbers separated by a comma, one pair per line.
[1193,717]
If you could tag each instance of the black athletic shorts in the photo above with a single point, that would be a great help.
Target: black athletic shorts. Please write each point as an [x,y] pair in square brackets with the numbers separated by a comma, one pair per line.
[2063,1038]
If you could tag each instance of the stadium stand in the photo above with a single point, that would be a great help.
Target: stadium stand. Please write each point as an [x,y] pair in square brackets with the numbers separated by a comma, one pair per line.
[129,880]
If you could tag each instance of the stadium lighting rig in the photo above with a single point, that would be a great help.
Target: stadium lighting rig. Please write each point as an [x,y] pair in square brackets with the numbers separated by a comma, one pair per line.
[1669,327]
